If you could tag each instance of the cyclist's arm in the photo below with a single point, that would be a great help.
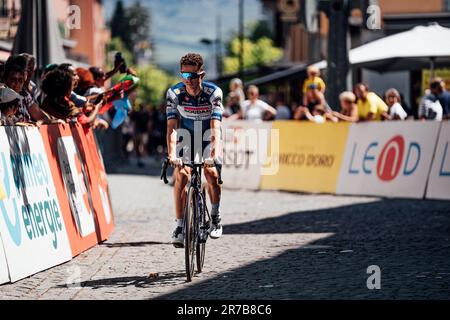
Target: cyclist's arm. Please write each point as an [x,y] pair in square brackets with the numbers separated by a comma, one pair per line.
[171,137]
[172,123]
[216,122]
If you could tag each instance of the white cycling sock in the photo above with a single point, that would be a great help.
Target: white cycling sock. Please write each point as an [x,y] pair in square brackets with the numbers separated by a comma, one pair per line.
[180,222]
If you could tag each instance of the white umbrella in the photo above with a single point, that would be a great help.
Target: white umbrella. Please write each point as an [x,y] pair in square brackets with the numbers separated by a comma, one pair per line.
[420,47]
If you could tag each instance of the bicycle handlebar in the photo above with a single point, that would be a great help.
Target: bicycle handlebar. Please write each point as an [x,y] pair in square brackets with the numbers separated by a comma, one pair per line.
[165,165]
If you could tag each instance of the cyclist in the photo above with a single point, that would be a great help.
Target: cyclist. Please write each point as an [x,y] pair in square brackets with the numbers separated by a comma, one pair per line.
[194,114]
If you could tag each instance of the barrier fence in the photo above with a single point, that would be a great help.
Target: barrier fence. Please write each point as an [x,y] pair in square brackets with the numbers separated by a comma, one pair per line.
[54,198]
[389,159]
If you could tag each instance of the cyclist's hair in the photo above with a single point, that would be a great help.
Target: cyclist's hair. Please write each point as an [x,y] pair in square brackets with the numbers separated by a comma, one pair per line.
[192,59]
[57,83]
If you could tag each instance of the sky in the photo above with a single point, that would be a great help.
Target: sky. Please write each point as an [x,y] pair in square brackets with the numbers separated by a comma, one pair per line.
[177,26]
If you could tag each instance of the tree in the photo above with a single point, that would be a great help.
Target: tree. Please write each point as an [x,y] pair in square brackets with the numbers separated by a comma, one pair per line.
[131,25]
[260,29]
[261,52]
[119,24]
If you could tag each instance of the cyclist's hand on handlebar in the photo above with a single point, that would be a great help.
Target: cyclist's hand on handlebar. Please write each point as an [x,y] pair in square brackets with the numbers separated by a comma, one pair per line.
[176,162]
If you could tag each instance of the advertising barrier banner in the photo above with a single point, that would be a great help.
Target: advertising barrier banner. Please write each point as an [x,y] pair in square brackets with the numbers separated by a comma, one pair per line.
[31,222]
[244,153]
[309,156]
[97,180]
[70,178]
[439,180]
[389,159]
[4,275]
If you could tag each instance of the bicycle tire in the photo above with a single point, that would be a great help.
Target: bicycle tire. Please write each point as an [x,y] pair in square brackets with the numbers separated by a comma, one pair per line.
[201,247]
[190,233]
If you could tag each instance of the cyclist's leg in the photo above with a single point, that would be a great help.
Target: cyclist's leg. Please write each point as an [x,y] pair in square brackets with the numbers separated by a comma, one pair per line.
[215,191]
[181,176]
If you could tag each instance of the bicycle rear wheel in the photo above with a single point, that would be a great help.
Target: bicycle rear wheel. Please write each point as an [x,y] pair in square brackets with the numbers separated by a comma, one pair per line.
[201,246]
[190,239]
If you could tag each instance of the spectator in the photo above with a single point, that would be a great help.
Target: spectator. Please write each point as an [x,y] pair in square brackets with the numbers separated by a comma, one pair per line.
[319,114]
[58,87]
[283,111]
[370,106]
[312,79]
[393,100]
[437,87]
[15,76]
[254,108]
[29,85]
[100,77]
[77,99]
[140,120]
[9,104]
[235,98]
[430,107]
[349,110]
[86,81]
[314,97]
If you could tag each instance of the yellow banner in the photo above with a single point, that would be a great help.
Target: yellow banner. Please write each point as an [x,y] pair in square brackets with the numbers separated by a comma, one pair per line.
[310,156]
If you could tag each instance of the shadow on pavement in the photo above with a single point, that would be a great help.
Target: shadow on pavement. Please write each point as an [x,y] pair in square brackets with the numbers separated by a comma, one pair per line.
[138,282]
[408,239]
[133,244]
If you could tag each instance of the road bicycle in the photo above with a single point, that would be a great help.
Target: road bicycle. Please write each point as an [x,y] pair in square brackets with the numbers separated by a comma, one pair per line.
[197,220]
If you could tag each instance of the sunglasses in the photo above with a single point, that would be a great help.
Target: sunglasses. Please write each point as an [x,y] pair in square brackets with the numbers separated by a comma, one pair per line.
[191,75]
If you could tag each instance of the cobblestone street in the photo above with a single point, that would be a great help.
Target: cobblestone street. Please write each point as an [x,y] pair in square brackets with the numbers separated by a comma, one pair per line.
[276,245]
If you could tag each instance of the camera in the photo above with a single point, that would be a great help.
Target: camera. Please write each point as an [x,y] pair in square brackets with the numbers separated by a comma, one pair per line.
[119,60]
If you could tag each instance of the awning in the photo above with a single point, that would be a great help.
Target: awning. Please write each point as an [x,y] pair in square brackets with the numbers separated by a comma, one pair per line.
[294,71]
[415,49]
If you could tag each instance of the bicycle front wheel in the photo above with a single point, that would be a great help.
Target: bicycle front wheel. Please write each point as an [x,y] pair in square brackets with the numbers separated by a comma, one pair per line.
[200,250]
[190,238]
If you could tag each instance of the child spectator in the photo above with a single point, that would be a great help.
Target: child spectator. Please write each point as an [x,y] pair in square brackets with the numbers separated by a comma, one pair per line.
[315,79]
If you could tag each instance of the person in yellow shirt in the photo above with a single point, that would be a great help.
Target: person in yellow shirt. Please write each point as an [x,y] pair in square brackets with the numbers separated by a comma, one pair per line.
[370,106]
[313,79]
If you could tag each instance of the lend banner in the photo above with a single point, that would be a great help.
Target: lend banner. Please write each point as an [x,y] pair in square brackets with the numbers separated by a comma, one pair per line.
[244,152]
[309,156]
[389,159]
[31,223]
[439,180]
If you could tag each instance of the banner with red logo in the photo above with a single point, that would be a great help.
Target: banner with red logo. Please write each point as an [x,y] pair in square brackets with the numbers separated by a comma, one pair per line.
[439,181]
[389,159]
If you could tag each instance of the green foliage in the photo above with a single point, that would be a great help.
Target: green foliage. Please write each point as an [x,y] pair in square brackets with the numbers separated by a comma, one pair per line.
[153,84]
[261,52]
